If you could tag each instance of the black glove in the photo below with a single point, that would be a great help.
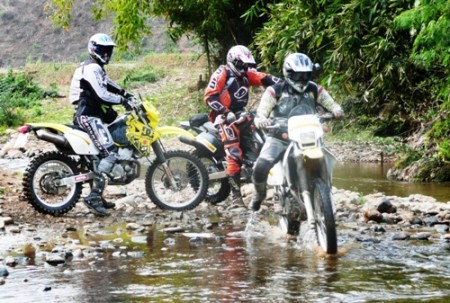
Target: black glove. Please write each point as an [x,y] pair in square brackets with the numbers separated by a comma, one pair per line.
[128,95]
[125,103]
[125,94]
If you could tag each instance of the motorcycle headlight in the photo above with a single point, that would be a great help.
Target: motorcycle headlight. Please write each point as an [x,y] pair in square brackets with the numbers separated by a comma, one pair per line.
[308,138]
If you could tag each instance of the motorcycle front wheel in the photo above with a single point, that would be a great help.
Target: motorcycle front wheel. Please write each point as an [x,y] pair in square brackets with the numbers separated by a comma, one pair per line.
[42,187]
[324,217]
[179,183]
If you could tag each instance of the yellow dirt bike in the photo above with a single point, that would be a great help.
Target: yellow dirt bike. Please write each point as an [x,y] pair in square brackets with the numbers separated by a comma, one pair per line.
[52,182]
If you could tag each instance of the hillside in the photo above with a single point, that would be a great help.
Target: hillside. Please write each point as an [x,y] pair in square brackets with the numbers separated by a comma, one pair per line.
[28,35]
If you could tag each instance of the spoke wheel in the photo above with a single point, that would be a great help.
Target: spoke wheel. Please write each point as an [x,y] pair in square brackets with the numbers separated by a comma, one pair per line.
[324,217]
[289,219]
[180,183]
[42,187]
[218,189]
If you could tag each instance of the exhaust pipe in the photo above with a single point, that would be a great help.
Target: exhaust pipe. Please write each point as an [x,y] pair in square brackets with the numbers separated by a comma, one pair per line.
[56,139]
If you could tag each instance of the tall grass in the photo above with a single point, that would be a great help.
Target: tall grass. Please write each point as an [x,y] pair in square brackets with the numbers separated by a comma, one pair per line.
[169,81]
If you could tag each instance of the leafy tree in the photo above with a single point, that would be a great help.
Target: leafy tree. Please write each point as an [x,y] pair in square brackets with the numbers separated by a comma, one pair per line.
[429,25]
[216,23]
[361,51]
[130,18]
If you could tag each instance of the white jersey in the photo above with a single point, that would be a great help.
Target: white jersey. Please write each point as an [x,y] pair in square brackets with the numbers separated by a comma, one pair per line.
[96,81]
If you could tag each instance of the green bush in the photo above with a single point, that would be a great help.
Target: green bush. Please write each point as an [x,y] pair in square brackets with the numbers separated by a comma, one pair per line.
[18,95]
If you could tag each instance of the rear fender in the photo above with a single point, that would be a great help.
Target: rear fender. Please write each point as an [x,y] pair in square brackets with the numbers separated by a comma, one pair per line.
[79,140]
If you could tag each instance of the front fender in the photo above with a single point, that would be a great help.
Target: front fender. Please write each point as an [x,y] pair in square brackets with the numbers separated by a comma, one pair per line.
[173,130]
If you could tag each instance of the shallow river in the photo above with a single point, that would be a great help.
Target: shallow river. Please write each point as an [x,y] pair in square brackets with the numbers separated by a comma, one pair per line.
[368,178]
[253,263]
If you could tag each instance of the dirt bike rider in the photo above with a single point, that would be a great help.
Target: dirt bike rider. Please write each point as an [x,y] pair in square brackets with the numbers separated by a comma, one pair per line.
[227,94]
[277,101]
[93,93]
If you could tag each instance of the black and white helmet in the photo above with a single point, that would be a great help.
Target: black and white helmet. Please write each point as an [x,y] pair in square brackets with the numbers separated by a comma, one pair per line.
[298,71]
[240,59]
[101,47]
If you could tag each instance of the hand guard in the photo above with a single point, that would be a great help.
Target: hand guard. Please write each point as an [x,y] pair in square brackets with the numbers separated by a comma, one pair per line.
[231,117]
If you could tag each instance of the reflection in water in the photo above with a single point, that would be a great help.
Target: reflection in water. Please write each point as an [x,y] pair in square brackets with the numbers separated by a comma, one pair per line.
[253,263]
[369,178]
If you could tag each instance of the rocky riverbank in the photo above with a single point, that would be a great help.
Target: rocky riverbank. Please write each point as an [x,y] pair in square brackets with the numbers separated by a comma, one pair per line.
[25,233]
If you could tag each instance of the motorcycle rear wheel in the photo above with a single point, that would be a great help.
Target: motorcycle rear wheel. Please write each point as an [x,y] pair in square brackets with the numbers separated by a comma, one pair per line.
[40,183]
[218,189]
[324,217]
[187,188]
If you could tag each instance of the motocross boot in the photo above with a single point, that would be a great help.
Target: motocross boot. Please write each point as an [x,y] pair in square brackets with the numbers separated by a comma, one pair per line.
[259,194]
[105,166]
[107,204]
[94,200]
[235,183]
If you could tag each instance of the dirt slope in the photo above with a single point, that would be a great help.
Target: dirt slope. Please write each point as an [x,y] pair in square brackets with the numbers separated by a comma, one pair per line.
[29,35]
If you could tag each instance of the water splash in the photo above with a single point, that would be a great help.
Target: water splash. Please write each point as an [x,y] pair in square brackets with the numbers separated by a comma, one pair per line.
[258,227]
[307,238]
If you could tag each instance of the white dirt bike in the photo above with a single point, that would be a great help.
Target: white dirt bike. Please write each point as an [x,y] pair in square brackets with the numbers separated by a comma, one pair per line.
[52,182]
[302,179]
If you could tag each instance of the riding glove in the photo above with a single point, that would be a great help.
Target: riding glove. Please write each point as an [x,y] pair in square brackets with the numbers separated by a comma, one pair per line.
[338,113]
[262,122]
[125,103]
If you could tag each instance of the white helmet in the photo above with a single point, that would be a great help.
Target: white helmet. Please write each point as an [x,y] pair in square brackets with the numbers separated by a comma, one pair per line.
[240,59]
[297,71]
[101,47]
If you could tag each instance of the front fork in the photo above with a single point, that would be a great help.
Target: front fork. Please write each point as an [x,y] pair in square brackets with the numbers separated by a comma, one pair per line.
[159,153]
[306,194]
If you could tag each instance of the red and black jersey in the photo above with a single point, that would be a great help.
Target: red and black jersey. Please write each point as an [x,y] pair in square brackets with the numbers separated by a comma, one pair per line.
[227,92]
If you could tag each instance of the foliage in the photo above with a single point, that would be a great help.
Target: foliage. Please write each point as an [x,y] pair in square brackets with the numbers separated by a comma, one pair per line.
[362,55]
[217,23]
[18,94]
[135,78]
[429,25]
[129,16]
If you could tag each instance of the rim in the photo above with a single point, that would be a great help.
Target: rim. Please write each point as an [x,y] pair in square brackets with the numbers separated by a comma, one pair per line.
[186,174]
[45,184]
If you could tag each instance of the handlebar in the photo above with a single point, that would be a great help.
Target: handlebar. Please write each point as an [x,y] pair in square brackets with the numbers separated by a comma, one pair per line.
[282,122]
[222,118]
